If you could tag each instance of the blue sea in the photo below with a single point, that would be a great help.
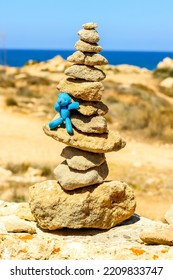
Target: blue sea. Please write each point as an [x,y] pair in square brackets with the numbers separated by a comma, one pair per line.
[147,59]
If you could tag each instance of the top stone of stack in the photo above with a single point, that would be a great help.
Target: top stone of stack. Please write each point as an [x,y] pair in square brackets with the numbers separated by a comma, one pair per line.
[88,39]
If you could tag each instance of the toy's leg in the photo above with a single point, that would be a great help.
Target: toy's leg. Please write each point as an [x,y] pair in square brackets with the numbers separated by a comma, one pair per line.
[55,123]
[68,125]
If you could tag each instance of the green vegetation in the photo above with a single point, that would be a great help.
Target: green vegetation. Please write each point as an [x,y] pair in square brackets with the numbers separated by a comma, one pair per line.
[163,73]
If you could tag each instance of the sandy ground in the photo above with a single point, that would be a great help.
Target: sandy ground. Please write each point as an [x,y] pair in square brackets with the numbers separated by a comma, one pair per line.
[22,140]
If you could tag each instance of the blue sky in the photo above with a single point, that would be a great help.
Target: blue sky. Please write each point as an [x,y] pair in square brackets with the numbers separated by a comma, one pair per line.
[53,24]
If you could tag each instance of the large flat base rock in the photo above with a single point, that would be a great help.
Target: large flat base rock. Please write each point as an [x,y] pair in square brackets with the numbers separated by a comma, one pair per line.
[119,243]
[100,206]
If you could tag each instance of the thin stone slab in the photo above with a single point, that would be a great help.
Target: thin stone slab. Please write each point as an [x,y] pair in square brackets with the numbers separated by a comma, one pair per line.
[90,36]
[89,25]
[88,108]
[96,143]
[90,59]
[82,160]
[92,124]
[87,47]
[87,73]
[71,179]
[82,89]
[160,236]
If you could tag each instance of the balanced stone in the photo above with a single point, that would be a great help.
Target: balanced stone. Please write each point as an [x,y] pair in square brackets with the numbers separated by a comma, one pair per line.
[82,160]
[100,206]
[96,143]
[92,124]
[89,91]
[87,47]
[88,108]
[87,73]
[90,59]
[90,36]
[90,25]
[71,179]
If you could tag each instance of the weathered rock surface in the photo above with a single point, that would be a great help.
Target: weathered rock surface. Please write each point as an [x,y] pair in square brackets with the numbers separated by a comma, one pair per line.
[90,59]
[119,243]
[169,215]
[13,223]
[96,143]
[92,124]
[87,47]
[90,25]
[22,210]
[163,236]
[88,108]
[102,206]
[82,160]
[89,91]
[87,73]
[71,179]
[90,36]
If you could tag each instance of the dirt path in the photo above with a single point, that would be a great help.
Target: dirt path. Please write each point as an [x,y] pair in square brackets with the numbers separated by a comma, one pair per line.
[22,140]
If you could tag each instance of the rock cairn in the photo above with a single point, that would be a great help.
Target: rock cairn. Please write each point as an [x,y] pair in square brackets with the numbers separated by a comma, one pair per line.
[80,177]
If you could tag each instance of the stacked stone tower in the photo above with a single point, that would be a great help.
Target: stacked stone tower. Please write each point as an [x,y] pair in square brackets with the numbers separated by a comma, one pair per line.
[84,168]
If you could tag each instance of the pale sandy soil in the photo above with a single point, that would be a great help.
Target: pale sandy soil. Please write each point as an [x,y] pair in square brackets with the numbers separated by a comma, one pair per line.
[22,140]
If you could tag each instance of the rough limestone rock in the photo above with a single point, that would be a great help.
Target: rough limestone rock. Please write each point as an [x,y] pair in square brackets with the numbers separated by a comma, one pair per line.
[13,223]
[88,108]
[87,47]
[93,124]
[90,36]
[22,210]
[71,179]
[163,236]
[95,143]
[87,73]
[81,160]
[169,215]
[89,25]
[102,206]
[89,91]
[90,59]
[118,243]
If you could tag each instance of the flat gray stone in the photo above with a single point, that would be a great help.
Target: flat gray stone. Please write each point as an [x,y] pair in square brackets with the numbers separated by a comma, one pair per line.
[89,25]
[82,89]
[87,73]
[82,160]
[90,59]
[90,36]
[87,47]
[89,124]
[88,108]
[70,179]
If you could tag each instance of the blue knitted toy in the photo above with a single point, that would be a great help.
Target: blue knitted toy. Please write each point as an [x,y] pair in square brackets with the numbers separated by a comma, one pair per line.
[63,106]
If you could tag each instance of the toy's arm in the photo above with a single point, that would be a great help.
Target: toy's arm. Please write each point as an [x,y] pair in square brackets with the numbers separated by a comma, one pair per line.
[57,107]
[74,105]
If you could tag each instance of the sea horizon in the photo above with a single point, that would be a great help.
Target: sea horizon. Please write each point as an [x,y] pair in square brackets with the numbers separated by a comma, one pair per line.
[143,59]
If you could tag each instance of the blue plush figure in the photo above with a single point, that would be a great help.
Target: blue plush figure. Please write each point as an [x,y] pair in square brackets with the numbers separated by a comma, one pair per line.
[63,106]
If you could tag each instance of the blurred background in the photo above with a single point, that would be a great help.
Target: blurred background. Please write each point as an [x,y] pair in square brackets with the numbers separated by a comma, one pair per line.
[36,37]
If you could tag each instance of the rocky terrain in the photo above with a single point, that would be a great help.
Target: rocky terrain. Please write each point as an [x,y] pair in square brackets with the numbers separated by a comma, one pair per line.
[140,107]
